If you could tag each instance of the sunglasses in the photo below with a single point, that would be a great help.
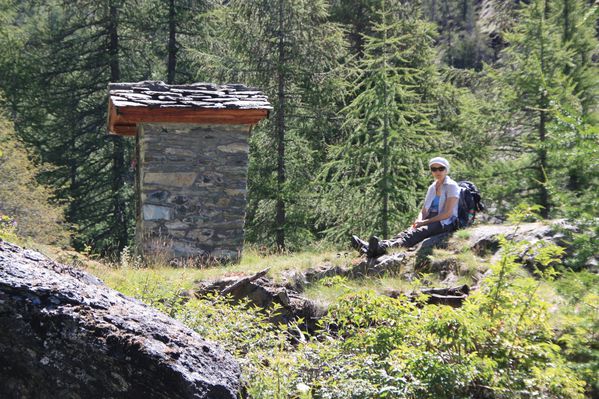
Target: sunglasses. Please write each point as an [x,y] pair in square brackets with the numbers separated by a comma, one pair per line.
[439,169]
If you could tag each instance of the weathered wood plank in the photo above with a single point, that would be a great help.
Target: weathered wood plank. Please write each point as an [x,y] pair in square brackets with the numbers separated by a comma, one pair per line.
[123,120]
[125,130]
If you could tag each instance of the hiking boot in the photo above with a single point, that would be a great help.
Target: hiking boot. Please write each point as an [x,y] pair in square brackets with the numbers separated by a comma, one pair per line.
[375,247]
[358,244]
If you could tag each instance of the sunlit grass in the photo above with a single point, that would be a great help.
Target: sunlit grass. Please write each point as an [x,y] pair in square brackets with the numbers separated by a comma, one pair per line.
[122,278]
[328,290]
[133,277]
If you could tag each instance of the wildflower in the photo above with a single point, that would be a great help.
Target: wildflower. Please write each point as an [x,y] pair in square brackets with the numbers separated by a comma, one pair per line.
[302,388]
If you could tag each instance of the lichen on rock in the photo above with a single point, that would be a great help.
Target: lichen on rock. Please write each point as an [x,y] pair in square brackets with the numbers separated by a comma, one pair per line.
[64,334]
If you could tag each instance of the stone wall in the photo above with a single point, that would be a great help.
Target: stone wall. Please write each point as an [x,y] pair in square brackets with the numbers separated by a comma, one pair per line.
[192,190]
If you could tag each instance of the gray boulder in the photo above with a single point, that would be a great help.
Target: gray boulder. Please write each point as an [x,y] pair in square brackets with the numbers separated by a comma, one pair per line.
[64,334]
[484,239]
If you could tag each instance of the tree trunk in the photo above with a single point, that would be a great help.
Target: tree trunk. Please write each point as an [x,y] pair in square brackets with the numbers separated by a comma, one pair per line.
[542,169]
[574,175]
[567,36]
[119,221]
[447,30]
[385,210]
[72,163]
[542,152]
[172,43]
[280,129]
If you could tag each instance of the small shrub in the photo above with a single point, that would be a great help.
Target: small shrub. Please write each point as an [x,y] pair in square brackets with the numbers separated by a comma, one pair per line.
[8,228]
[22,197]
[463,234]
[128,260]
[333,281]
[500,344]
[578,332]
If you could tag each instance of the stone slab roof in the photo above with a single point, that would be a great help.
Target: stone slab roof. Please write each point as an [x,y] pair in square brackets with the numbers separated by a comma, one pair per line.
[156,94]
[130,104]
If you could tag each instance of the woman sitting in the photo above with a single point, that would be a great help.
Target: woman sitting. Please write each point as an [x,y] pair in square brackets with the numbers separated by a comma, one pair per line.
[437,216]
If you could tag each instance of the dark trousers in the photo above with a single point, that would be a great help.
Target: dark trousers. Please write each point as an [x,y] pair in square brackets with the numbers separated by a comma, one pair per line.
[410,237]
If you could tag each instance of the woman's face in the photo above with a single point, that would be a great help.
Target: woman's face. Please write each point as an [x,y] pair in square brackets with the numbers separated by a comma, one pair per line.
[439,171]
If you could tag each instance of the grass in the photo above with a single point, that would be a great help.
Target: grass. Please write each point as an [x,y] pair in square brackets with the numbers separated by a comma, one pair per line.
[124,276]
[129,278]
[328,290]
[462,234]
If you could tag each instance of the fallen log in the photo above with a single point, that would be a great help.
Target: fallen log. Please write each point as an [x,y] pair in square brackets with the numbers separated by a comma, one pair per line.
[456,291]
[455,301]
[453,297]
[241,282]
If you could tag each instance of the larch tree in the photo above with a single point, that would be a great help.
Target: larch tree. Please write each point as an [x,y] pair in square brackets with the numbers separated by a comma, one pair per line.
[536,87]
[78,49]
[291,50]
[173,30]
[576,20]
[373,175]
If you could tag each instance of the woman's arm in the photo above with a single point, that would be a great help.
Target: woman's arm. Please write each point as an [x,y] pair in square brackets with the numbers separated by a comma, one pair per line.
[421,216]
[447,211]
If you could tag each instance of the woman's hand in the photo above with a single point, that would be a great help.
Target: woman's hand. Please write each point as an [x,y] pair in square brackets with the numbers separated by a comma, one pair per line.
[418,223]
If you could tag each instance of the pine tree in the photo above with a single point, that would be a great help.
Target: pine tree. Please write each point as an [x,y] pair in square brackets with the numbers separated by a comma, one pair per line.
[373,176]
[291,51]
[78,49]
[174,30]
[577,22]
[359,17]
[16,67]
[537,88]
[460,40]
[495,19]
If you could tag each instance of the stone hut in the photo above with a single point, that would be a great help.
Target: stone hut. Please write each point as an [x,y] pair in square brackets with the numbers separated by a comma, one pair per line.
[192,158]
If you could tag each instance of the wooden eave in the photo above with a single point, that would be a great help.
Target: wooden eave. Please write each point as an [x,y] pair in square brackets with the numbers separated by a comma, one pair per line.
[123,120]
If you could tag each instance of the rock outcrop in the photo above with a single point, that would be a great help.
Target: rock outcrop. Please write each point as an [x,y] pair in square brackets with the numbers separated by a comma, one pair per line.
[482,240]
[64,334]
[263,292]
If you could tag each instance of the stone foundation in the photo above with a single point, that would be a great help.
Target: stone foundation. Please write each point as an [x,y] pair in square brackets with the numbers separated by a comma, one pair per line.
[191,190]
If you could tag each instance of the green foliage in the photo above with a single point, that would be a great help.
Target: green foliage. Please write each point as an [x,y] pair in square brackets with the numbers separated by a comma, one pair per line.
[535,88]
[577,19]
[466,118]
[74,51]
[7,229]
[507,90]
[502,343]
[463,41]
[546,84]
[473,83]
[22,199]
[174,32]
[576,146]
[499,344]
[374,172]
[292,51]
[580,326]
[585,246]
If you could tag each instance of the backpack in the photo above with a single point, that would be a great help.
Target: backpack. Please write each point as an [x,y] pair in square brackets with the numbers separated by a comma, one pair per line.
[469,203]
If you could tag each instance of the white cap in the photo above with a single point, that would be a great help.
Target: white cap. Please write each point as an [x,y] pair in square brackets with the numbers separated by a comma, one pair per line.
[441,161]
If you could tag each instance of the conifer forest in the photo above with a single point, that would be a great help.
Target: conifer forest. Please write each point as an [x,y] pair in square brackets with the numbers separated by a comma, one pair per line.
[363,94]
